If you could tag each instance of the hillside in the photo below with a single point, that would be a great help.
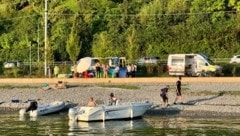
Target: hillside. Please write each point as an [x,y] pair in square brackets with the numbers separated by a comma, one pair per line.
[102,28]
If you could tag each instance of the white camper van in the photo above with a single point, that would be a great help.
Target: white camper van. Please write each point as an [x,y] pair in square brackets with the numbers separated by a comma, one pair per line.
[191,65]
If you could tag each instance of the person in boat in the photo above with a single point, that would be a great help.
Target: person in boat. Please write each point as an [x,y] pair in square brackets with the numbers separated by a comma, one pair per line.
[164,95]
[112,100]
[91,102]
[33,106]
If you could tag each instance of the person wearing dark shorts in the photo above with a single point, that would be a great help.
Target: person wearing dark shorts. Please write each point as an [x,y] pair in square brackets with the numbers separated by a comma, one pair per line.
[164,95]
[178,91]
[98,69]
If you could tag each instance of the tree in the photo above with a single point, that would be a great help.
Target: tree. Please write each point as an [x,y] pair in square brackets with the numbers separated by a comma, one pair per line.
[102,45]
[132,48]
[73,44]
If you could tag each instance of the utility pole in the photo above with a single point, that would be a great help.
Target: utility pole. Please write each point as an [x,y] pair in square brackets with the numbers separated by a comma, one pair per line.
[38,42]
[30,59]
[46,38]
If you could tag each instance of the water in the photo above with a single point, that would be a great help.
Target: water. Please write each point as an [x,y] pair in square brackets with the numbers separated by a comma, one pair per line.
[59,125]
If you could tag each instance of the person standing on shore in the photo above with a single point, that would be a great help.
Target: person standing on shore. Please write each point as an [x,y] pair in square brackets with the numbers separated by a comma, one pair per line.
[98,69]
[105,70]
[56,71]
[178,91]
[164,95]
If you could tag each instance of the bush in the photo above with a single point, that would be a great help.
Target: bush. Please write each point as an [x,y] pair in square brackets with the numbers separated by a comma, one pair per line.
[151,70]
[12,72]
[231,69]
[1,67]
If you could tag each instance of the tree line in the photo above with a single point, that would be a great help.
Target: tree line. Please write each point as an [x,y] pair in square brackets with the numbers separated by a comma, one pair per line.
[133,29]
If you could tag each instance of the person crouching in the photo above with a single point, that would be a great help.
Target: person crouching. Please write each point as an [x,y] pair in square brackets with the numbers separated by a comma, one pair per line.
[164,95]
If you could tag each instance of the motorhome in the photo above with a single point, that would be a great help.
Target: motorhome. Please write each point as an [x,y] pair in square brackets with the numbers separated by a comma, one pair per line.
[191,65]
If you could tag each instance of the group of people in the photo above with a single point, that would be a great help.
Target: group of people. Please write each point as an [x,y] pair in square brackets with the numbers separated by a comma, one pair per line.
[101,71]
[112,101]
[164,93]
[131,70]
[101,68]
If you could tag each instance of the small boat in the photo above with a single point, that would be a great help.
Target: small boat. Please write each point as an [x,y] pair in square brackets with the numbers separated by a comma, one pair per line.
[34,110]
[109,112]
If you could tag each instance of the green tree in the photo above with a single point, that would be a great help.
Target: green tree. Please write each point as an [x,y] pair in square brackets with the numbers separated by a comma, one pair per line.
[102,45]
[73,46]
[132,46]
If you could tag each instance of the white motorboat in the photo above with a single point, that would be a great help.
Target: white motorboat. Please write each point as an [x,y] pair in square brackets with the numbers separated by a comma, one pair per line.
[104,112]
[34,110]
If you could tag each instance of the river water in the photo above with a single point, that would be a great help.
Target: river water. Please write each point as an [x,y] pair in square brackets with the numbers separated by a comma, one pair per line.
[59,125]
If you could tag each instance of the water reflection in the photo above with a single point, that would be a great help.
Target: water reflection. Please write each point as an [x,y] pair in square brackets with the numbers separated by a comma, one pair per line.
[107,127]
[24,118]
[193,126]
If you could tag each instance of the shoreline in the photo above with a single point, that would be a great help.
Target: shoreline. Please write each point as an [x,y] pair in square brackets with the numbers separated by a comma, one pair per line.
[120,80]
[197,101]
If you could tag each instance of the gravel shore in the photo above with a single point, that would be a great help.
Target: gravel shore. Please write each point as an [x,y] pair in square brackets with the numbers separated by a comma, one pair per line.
[200,99]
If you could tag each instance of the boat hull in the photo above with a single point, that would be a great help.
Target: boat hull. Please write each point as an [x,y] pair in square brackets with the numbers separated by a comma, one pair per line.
[123,111]
[47,109]
[44,109]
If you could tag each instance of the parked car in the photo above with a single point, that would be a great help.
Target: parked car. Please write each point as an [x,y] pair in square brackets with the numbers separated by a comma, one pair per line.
[147,60]
[12,64]
[235,59]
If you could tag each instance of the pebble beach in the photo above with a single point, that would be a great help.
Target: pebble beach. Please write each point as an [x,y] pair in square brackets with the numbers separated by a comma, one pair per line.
[200,98]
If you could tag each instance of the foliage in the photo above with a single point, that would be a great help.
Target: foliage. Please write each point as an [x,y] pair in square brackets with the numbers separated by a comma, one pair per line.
[12,72]
[133,29]
[73,44]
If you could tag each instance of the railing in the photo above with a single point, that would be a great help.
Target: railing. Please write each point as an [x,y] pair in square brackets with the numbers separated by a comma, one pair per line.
[221,60]
[162,61]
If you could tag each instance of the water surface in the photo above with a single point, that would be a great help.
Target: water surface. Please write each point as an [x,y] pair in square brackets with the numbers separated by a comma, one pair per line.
[58,124]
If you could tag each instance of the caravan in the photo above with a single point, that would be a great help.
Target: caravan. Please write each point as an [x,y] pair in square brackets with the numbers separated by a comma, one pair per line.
[191,65]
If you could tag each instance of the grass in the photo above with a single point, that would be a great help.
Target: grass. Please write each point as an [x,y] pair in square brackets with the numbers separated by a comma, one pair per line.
[130,87]
[220,93]
[122,86]
[14,86]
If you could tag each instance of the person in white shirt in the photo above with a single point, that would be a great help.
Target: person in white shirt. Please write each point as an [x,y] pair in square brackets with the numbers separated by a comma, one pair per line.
[112,100]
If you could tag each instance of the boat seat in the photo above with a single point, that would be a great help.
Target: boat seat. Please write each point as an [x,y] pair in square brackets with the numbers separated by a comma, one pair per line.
[117,102]
[99,102]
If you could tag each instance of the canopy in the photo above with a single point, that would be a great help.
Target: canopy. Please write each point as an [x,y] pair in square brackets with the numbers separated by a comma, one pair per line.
[84,64]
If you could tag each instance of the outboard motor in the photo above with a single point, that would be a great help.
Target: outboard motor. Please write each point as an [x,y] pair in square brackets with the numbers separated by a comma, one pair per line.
[33,106]
[72,112]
